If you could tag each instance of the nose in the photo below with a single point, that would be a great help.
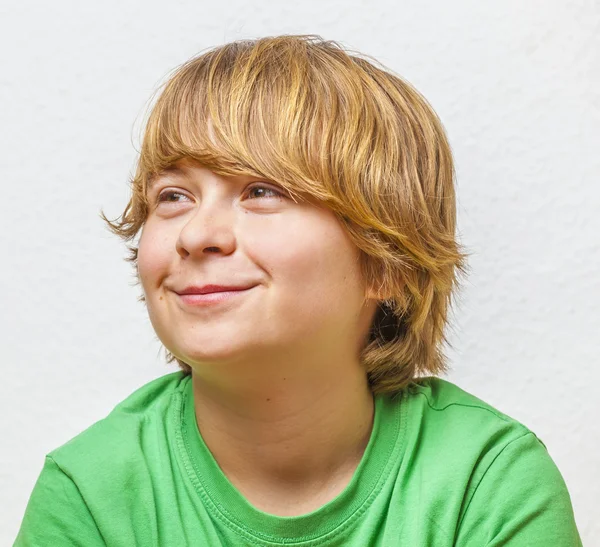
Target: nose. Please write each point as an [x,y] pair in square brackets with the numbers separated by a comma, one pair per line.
[209,230]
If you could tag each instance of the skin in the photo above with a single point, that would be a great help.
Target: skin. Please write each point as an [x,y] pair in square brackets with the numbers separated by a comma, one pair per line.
[281,399]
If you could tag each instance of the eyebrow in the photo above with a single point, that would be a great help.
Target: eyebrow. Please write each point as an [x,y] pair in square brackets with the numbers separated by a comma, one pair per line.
[171,170]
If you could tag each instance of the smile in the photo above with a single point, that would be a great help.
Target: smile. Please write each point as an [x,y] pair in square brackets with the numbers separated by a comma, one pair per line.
[211,299]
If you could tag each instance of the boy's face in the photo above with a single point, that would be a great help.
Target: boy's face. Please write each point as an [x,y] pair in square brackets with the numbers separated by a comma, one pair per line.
[297,263]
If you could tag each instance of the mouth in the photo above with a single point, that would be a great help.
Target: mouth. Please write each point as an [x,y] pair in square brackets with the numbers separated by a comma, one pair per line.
[212,298]
[205,289]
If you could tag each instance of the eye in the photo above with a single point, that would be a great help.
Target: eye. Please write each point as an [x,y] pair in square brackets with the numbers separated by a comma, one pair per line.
[167,196]
[261,191]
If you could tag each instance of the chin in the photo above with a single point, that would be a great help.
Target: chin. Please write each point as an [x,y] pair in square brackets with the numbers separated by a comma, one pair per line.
[209,352]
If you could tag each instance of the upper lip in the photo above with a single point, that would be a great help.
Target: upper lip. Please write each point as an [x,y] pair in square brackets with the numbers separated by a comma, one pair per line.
[205,289]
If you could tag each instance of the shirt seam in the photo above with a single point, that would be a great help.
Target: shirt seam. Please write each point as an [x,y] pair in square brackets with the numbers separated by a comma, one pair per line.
[480,407]
[486,472]
[80,494]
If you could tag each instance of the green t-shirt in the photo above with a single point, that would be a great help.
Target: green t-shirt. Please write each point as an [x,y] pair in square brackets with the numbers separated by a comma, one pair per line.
[442,468]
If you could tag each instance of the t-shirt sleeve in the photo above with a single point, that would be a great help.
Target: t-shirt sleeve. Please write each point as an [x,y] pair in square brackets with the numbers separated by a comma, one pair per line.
[56,513]
[520,501]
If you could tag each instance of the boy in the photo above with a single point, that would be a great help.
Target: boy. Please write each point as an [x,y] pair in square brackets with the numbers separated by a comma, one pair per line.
[296,216]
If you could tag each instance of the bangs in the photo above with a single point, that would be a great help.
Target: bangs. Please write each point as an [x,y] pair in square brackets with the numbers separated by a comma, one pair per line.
[289,111]
[245,110]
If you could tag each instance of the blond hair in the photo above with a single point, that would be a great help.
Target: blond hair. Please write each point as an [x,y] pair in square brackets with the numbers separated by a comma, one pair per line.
[321,122]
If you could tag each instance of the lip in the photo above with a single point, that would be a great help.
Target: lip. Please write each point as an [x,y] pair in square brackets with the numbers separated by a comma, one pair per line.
[212,298]
[209,289]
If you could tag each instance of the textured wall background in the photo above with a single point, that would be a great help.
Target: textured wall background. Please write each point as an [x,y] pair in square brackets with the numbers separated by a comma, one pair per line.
[516,85]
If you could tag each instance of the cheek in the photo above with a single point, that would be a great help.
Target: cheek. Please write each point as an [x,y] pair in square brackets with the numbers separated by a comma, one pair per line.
[311,259]
[152,258]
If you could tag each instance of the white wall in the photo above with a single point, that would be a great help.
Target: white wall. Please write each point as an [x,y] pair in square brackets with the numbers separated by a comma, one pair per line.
[516,84]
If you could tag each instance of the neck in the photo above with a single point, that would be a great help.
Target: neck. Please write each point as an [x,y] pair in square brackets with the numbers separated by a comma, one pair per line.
[298,436]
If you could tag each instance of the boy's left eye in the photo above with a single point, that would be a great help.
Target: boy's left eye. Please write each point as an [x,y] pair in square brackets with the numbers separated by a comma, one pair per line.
[262,188]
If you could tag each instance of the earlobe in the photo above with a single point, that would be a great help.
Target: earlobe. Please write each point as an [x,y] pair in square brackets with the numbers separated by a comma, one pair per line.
[380,293]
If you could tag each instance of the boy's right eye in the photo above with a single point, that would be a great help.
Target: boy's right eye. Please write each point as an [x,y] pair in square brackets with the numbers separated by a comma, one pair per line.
[168,195]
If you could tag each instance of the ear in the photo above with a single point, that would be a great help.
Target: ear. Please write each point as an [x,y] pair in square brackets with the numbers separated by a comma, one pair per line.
[378,292]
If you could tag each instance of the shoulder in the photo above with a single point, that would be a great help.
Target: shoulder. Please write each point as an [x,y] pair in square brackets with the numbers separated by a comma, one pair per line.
[472,452]
[103,471]
[441,394]
[121,434]
[454,435]
[458,412]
